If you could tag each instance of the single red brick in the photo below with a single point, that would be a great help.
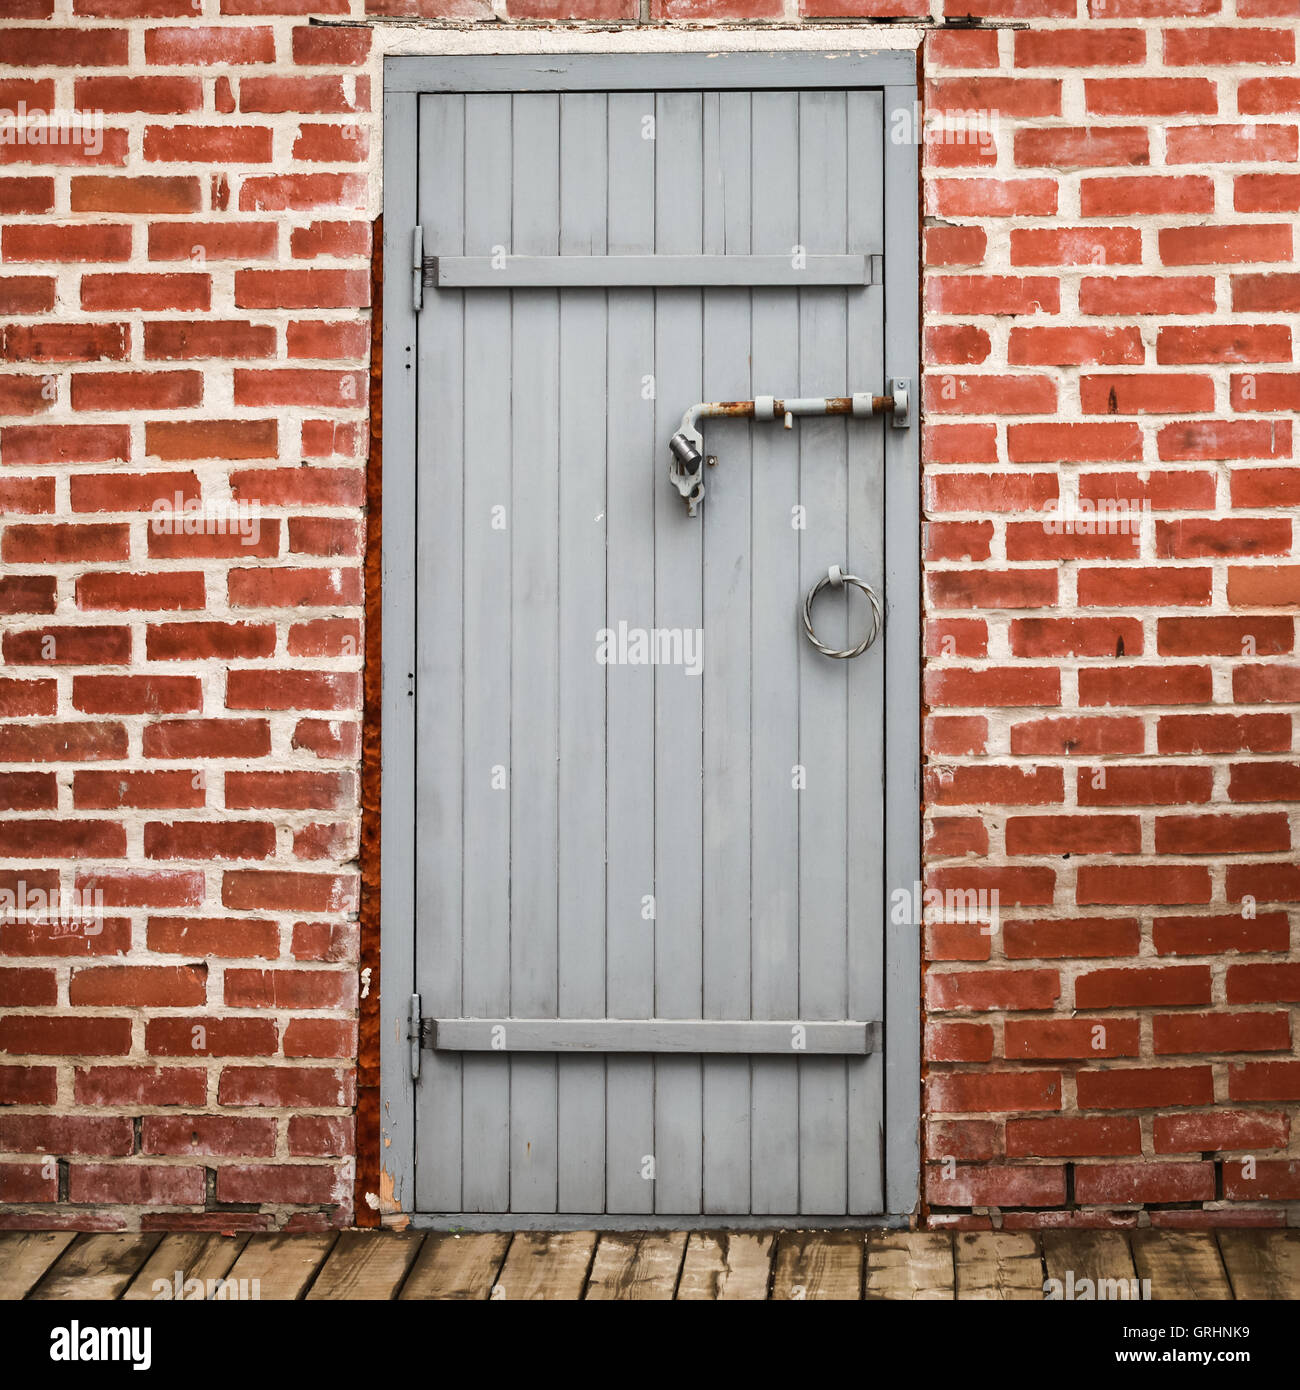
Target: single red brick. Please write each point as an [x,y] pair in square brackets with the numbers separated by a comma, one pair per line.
[102,791]
[1145,1088]
[209,840]
[30,838]
[321,1136]
[194,45]
[1217,45]
[1223,343]
[986,1091]
[1076,246]
[135,1184]
[207,738]
[1048,1038]
[1278,1180]
[1145,685]
[1029,1186]
[302,1087]
[1181,1034]
[1071,938]
[1264,1081]
[1078,735]
[1146,195]
[1086,147]
[1086,834]
[1128,784]
[1066,1137]
[207,1134]
[993,989]
[1221,1130]
[137,694]
[145,592]
[28,1085]
[320,1037]
[64,342]
[204,439]
[267,890]
[992,294]
[1220,933]
[1223,733]
[135,391]
[134,1086]
[209,338]
[1248,143]
[204,641]
[1144,1182]
[954,245]
[202,1036]
[1221,834]
[38,444]
[67,741]
[65,1035]
[231,937]
[1102,884]
[1263,984]
[1038,637]
[1074,346]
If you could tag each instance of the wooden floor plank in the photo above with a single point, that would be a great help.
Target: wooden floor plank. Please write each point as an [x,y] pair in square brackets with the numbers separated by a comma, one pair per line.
[1180,1264]
[550,1265]
[367,1265]
[632,1266]
[96,1266]
[1001,1265]
[283,1265]
[196,1255]
[726,1266]
[25,1256]
[1262,1264]
[1090,1264]
[818,1265]
[457,1266]
[910,1265]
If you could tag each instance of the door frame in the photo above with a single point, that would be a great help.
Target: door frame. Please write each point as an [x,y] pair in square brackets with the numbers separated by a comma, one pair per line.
[893,73]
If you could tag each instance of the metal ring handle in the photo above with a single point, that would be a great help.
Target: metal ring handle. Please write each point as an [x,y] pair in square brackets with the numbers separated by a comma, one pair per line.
[836,578]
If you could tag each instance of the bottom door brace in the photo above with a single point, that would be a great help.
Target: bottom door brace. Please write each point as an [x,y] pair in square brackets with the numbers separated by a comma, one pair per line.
[784,1037]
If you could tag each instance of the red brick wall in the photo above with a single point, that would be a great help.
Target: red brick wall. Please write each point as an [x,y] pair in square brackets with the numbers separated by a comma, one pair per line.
[1109,314]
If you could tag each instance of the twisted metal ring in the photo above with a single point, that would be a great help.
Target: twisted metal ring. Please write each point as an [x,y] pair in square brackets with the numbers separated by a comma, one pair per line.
[836,578]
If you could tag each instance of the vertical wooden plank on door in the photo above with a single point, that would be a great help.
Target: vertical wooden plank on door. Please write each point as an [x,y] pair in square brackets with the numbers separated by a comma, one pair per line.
[581,714]
[534,677]
[489,522]
[823,702]
[725,520]
[866,896]
[439,525]
[397,850]
[633,478]
[678,703]
[775,641]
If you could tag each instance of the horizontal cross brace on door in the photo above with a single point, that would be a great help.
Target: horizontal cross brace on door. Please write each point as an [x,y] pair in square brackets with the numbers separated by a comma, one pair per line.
[648,272]
[793,1037]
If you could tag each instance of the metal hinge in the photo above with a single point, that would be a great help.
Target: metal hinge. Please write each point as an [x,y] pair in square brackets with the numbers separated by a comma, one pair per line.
[415,1035]
[417,273]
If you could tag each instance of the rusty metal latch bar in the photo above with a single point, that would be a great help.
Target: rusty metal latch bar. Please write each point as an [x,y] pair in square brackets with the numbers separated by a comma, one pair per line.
[686,447]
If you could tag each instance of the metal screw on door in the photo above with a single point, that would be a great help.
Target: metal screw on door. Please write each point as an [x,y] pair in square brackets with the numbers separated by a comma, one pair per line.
[837,579]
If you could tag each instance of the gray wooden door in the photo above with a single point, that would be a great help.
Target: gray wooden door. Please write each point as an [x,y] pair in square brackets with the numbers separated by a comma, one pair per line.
[604,843]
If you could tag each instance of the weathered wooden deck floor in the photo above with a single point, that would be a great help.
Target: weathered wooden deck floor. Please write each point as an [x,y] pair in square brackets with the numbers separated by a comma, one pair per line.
[662,1265]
